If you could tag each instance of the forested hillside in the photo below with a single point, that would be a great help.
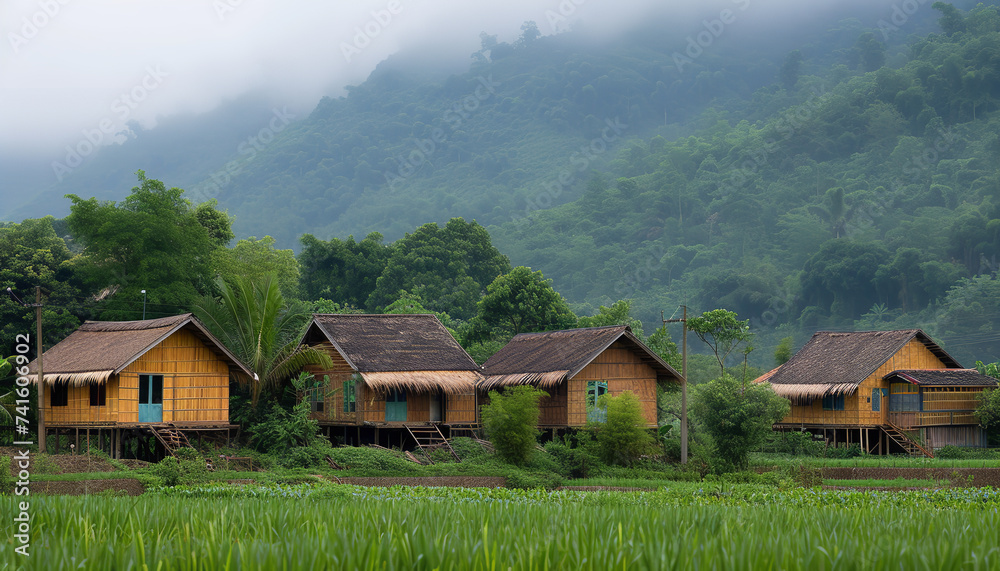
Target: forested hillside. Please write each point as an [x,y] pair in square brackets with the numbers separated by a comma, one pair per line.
[839,177]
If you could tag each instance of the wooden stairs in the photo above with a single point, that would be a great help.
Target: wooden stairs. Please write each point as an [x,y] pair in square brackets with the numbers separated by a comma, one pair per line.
[897,435]
[171,438]
[430,438]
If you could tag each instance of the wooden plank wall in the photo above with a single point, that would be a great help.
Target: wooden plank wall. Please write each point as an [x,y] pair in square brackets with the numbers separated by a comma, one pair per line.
[333,394]
[939,436]
[623,371]
[858,406]
[78,409]
[553,409]
[195,387]
[461,409]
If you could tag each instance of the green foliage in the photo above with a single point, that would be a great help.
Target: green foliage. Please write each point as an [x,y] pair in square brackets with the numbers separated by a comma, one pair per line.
[510,421]
[519,302]
[722,332]
[446,267]
[783,352]
[623,436]
[282,431]
[577,455]
[988,410]
[344,271]
[7,480]
[255,259]
[253,321]
[738,416]
[152,240]
[32,254]
[173,471]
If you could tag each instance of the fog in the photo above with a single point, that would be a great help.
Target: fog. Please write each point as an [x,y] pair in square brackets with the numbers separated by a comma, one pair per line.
[74,70]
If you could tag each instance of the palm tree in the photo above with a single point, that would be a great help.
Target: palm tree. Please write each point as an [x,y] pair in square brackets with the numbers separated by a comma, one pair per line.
[252,319]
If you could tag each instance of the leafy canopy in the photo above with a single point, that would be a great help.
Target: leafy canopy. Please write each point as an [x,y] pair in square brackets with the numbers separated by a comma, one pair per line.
[252,320]
[518,302]
[722,332]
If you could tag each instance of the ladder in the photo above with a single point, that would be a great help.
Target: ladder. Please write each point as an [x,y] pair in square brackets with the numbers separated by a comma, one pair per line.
[171,438]
[428,438]
[897,435]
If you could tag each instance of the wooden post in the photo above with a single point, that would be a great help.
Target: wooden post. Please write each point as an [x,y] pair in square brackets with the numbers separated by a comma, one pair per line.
[77,441]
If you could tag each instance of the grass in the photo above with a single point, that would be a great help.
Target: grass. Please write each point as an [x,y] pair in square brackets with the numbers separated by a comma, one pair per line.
[343,527]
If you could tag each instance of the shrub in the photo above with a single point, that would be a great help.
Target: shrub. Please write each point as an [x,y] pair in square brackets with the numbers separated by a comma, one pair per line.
[6,478]
[575,456]
[623,436]
[738,416]
[510,420]
[173,471]
[852,451]
[309,456]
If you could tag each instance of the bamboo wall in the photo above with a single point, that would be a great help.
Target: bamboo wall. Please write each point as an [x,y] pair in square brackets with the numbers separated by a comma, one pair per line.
[858,405]
[370,404]
[553,409]
[939,436]
[623,371]
[461,409]
[195,388]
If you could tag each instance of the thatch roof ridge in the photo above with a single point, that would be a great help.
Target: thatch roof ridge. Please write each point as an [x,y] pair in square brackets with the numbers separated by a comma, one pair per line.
[373,343]
[137,325]
[546,358]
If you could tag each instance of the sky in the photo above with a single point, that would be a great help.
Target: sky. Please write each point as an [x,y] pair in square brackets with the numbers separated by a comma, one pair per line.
[72,70]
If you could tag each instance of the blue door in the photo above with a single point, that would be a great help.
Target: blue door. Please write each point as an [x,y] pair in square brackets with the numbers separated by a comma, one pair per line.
[150,398]
[395,406]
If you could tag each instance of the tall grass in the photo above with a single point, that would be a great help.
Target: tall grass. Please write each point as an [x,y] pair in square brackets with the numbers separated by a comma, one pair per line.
[500,529]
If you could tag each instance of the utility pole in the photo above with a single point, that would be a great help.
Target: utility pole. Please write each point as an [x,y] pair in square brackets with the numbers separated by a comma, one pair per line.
[684,384]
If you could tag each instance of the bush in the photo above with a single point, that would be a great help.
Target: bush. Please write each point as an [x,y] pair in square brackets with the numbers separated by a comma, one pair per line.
[623,436]
[309,456]
[6,478]
[793,442]
[852,451]
[575,456]
[364,461]
[510,420]
[173,471]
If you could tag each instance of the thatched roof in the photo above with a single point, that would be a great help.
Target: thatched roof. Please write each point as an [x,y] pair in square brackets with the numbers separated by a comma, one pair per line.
[942,377]
[99,349]
[398,351]
[548,358]
[834,363]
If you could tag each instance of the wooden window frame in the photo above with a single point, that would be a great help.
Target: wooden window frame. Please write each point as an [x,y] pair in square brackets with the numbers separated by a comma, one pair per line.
[351,395]
[834,402]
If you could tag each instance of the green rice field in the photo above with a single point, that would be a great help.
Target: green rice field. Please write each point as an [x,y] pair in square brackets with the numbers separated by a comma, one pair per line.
[345,527]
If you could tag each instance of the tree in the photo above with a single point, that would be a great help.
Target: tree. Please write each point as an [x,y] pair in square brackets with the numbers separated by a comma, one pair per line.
[31,254]
[510,419]
[737,416]
[343,271]
[952,21]
[722,332]
[253,258]
[152,240]
[623,436]
[988,411]
[252,320]
[783,352]
[791,69]
[519,302]
[447,267]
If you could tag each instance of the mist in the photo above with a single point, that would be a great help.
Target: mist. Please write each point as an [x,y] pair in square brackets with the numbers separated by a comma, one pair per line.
[70,68]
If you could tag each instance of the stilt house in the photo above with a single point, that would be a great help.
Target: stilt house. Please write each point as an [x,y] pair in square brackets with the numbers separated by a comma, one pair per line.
[393,375]
[888,391]
[577,366]
[138,378]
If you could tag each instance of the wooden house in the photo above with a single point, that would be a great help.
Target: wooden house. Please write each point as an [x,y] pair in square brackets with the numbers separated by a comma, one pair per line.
[391,375]
[887,391]
[138,378]
[577,366]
